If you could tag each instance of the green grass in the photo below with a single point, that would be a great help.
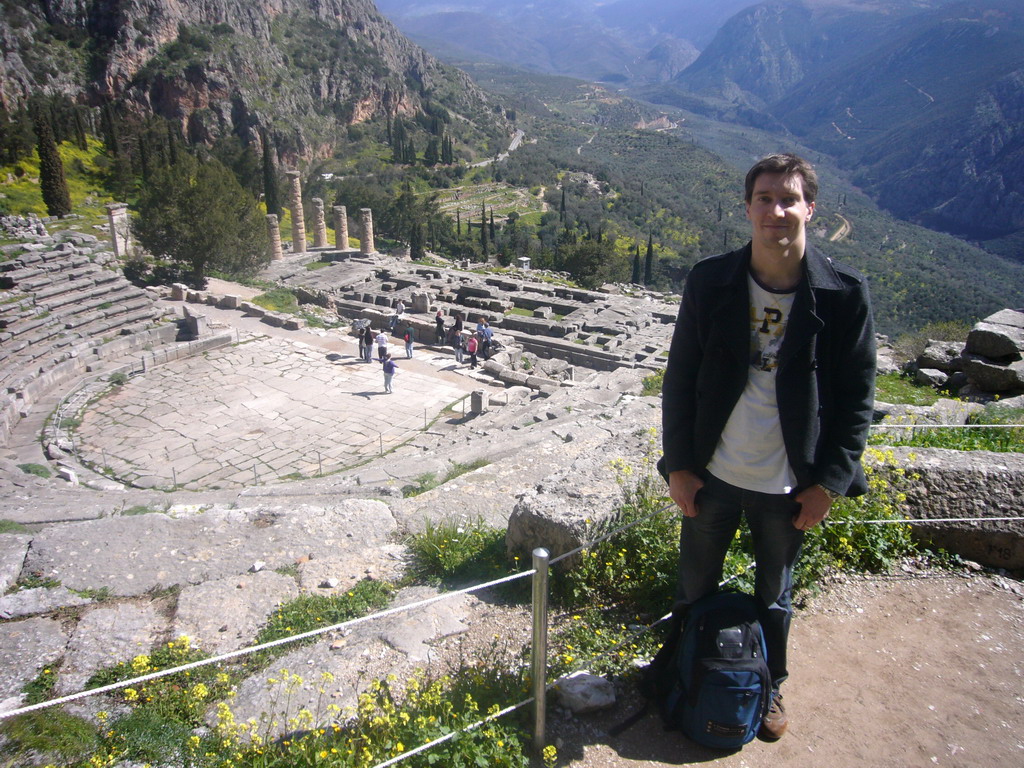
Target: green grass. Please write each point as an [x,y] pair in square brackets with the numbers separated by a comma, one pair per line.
[1001,439]
[458,552]
[899,389]
[652,384]
[278,300]
[85,185]
[429,480]
[39,470]
[9,526]
[308,612]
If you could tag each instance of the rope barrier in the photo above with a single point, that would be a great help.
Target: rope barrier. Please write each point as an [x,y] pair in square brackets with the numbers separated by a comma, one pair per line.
[453,734]
[894,425]
[261,647]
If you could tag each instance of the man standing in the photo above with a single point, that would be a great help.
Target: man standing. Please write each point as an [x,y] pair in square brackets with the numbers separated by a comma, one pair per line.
[768,396]
[382,345]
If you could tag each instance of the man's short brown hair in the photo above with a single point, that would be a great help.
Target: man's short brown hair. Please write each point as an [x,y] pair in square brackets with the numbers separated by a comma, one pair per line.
[787,164]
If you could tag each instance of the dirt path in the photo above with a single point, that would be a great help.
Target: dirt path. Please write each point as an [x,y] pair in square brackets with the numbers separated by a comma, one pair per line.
[884,672]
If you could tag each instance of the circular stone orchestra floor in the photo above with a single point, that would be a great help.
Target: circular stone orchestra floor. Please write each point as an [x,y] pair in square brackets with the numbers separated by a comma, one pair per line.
[263,410]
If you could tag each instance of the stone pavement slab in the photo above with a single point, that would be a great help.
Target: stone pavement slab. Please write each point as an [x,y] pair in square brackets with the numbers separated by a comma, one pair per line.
[136,554]
[276,404]
[26,648]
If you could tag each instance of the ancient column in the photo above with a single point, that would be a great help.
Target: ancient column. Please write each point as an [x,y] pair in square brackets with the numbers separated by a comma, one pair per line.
[319,225]
[276,253]
[298,222]
[367,245]
[340,228]
[120,234]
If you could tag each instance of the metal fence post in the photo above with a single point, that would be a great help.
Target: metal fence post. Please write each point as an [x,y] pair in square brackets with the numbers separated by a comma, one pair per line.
[540,644]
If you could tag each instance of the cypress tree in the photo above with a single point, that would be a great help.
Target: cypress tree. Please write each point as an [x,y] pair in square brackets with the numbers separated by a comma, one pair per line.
[483,230]
[51,170]
[635,279]
[270,189]
[172,144]
[431,154]
[80,137]
[561,208]
[458,223]
[649,262]
[110,132]
[416,241]
[492,225]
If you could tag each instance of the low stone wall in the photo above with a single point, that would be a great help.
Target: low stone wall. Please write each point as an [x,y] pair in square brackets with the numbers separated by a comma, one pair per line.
[567,507]
[946,484]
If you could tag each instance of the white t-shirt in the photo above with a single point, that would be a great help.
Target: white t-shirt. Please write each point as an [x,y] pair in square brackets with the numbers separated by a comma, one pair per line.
[751,453]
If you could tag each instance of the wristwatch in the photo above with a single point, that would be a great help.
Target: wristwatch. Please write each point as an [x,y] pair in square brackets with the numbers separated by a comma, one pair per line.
[832,495]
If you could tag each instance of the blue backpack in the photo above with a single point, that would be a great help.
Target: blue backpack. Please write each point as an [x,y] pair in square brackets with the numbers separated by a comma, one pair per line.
[720,684]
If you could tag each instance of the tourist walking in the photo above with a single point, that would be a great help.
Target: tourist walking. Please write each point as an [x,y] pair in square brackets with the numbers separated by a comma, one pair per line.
[410,337]
[390,367]
[382,345]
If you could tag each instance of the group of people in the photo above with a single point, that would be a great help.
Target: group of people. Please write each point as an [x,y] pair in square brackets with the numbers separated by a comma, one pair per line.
[474,345]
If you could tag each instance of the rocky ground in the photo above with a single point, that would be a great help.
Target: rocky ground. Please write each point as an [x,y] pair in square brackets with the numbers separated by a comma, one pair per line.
[923,669]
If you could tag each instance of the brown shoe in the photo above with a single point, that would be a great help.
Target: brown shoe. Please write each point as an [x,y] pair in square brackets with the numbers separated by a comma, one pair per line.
[774,723]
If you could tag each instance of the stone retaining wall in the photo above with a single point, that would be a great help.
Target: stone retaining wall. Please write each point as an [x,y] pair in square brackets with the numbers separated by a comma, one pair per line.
[967,484]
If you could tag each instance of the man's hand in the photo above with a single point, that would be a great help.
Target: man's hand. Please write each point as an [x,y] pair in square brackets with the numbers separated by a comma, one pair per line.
[682,487]
[814,506]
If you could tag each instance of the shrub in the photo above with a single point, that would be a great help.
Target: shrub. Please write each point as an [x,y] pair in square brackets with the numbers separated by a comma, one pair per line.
[458,550]
[182,697]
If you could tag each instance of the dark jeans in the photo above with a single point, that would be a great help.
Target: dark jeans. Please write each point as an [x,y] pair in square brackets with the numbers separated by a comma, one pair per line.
[704,541]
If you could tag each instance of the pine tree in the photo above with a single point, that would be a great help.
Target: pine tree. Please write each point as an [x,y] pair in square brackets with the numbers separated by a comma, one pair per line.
[635,279]
[52,182]
[649,261]
[197,214]
[270,188]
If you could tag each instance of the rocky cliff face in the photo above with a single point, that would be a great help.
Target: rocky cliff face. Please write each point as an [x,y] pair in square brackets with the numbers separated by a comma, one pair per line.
[221,66]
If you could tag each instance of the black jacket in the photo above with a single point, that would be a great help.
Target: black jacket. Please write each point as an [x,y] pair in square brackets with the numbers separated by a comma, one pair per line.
[824,381]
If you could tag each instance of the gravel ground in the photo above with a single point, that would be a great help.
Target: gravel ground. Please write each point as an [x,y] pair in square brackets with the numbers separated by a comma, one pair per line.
[919,669]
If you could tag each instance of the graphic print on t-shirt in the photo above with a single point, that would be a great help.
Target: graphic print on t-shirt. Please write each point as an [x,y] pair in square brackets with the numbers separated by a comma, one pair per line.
[767,329]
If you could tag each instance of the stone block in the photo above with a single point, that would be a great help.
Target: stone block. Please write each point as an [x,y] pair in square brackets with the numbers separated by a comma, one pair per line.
[989,377]
[930,377]
[582,692]
[969,485]
[941,355]
[996,341]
